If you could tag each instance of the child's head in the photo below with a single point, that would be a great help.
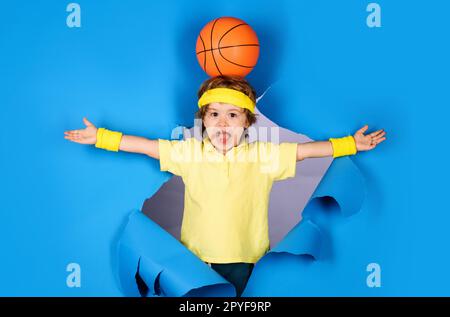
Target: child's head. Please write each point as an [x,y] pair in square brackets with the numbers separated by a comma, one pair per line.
[225,123]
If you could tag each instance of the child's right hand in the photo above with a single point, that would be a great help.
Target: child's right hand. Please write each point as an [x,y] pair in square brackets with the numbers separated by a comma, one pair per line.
[83,136]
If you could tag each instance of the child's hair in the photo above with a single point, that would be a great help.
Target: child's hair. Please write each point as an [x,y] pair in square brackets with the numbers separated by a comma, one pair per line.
[236,83]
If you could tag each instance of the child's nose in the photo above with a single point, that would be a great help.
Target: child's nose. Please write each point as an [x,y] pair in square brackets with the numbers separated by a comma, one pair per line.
[223,122]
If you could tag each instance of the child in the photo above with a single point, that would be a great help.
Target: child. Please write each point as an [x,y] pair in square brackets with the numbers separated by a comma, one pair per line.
[227,179]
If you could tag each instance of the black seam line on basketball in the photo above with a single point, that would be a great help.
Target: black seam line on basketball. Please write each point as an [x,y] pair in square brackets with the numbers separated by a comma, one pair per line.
[234,27]
[212,53]
[218,48]
[220,52]
[234,62]
[203,43]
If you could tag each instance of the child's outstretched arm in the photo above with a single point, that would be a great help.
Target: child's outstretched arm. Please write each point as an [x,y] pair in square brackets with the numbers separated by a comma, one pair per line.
[358,141]
[127,143]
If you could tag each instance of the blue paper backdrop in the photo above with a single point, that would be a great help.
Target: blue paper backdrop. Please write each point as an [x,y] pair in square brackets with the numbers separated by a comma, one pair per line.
[132,67]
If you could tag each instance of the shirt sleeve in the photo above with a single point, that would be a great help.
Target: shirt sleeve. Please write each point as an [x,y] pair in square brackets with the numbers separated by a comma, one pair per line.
[279,160]
[172,155]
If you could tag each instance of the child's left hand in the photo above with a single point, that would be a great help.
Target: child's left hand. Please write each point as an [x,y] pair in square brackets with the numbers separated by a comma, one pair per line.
[370,141]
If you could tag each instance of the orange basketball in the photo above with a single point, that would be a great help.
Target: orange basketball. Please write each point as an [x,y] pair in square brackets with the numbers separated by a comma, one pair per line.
[227,46]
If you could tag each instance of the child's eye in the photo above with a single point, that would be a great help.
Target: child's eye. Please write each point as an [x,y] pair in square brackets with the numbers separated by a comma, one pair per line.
[214,114]
[233,115]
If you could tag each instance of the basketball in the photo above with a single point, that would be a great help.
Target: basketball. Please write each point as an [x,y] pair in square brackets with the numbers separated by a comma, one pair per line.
[227,46]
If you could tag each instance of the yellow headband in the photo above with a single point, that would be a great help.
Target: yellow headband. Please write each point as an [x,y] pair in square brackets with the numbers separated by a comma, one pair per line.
[227,95]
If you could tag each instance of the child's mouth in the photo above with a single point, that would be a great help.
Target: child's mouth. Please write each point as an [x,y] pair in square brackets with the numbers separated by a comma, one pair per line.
[223,137]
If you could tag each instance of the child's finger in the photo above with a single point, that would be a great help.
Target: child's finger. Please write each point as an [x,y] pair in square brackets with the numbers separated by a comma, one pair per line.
[378,141]
[379,135]
[87,122]
[363,129]
[73,135]
[374,134]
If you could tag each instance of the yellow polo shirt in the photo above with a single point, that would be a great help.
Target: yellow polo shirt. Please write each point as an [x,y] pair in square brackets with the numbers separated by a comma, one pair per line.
[227,195]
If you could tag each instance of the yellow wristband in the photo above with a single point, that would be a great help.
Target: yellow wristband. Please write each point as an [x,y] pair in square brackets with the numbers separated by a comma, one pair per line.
[343,146]
[108,140]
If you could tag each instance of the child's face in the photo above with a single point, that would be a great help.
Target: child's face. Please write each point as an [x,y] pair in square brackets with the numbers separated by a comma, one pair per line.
[224,125]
